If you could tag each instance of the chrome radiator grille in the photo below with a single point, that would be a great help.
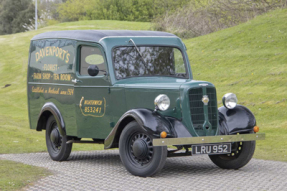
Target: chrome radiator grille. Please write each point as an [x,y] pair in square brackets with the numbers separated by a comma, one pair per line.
[197,107]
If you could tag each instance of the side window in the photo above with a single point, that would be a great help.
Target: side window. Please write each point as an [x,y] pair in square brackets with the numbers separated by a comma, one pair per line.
[91,56]
[179,62]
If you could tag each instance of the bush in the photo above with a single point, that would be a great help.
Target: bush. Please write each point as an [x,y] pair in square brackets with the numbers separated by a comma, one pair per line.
[128,10]
[198,19]
[52,22]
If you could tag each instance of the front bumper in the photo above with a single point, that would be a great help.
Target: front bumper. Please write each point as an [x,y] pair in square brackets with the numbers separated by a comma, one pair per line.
[208,139]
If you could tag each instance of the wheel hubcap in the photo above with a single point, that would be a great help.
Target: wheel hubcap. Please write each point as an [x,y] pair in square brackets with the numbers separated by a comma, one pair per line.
[140,149]
[55,137]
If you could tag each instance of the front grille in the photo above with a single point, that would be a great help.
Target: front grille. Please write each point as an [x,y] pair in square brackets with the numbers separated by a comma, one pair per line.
[196,107]
[212,107]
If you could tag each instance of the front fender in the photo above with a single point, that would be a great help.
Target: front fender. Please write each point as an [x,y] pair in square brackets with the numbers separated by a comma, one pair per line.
[152,122]
[178,127]
[237,120]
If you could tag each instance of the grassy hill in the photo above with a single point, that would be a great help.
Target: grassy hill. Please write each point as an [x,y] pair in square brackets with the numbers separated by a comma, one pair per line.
[249,60]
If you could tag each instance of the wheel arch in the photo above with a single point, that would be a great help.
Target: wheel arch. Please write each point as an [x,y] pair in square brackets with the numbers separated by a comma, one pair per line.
[120,128]
[237,120]
[152,122]
[47,110]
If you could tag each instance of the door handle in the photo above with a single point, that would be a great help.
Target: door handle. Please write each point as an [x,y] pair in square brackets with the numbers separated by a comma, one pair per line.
[76,81]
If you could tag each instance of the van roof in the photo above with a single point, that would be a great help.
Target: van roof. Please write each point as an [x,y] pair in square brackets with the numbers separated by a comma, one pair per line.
[97,35]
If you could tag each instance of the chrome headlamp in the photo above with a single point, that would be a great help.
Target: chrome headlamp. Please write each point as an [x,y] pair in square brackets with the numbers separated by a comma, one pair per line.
[162,102]
[229,100]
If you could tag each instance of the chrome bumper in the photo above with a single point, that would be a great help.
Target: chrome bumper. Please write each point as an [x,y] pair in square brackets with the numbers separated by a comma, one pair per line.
[208,139]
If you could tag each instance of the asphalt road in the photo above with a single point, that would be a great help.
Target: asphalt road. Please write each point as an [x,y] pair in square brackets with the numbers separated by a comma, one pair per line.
[102,170]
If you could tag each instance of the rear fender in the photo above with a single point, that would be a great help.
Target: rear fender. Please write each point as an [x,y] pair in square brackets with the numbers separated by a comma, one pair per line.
[50,109]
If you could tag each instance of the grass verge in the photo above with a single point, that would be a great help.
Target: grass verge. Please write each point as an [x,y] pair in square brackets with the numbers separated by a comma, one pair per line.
[14,176]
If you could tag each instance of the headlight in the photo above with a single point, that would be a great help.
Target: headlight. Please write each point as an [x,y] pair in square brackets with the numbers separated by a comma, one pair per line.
[229,100]
[162,102]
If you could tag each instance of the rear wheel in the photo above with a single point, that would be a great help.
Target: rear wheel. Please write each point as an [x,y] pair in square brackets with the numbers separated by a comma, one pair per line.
[137,152]
[57,147]
[241,154]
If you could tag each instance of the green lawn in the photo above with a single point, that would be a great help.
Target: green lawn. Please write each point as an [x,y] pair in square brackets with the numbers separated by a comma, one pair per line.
[14,176]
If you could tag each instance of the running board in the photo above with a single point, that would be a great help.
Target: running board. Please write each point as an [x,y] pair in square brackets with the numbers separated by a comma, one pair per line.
[89,142]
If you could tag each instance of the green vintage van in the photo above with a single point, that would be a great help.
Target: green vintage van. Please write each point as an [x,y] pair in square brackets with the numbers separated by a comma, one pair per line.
[132,90]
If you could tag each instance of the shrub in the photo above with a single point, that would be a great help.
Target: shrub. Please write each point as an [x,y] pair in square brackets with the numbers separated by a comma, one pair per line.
[198,19]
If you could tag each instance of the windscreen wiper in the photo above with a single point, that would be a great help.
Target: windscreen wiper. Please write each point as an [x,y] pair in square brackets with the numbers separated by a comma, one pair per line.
[131,40]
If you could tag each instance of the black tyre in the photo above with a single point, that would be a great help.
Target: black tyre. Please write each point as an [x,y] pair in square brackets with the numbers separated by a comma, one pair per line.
[137,152]
[57,147]
[241,154]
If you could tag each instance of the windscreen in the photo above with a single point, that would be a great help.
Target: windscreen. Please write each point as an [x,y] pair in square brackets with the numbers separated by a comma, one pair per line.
[131,61]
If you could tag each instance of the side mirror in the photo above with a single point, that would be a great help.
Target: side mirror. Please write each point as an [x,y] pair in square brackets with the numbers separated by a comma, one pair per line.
[93,70]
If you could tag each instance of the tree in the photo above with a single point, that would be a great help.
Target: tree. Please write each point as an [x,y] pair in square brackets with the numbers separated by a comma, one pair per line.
[15,14]
[73,10]
[128,10]
[49,8]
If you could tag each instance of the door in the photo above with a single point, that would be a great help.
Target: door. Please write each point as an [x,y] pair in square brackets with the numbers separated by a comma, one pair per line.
[92,93]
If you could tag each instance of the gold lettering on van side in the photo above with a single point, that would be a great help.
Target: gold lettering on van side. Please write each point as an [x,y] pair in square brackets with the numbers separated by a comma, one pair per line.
[70,92]
[50,67]
[65,77]
[53,91]
[47,51]
[64,53]
[93,102]
[37,76]
[56,76]
[67,57]
[93,108]
[50,50]
[46,76]
[53,51]
[63,93]
[37,89]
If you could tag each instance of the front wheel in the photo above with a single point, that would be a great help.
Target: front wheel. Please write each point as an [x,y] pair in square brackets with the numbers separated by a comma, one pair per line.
[57,147]
[241,154]
[137,152]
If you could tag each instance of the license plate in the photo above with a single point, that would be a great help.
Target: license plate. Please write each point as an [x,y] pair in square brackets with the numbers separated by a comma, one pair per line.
[211,149]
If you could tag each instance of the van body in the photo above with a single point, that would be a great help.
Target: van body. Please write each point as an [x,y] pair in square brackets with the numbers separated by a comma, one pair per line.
[131,90]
